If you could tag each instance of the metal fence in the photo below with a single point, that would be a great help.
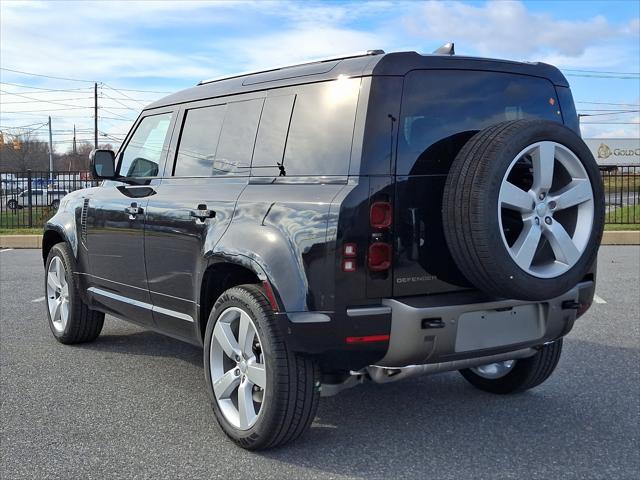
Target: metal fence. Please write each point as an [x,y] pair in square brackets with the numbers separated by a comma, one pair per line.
[29,199]
[621,193]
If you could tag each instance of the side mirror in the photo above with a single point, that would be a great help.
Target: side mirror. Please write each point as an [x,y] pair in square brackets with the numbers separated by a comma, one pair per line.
[103,164]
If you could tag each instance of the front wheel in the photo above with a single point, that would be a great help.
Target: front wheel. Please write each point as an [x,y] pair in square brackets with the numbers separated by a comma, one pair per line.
[263,394]
[12,204]
[70,319]
[513,376]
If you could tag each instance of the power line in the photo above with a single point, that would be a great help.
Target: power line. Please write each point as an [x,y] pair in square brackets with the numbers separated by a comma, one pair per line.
[38,100]
[47,110]
[121,93]
[609,103]
[588,75]
[118,102]
[44,90]
[116,114]
[41,100]
[599,71]
[116,119]
[137,90]
[46,76]
[23,126]
[609,123]
[608,110]
[609,113]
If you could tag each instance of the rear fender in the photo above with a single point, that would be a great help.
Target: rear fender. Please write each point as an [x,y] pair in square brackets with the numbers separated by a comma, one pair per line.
[265,251]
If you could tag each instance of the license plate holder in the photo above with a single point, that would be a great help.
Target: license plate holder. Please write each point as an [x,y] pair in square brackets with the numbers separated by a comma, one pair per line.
[484,329]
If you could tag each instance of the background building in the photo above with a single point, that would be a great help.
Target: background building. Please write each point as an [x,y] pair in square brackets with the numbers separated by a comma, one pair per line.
[615,151]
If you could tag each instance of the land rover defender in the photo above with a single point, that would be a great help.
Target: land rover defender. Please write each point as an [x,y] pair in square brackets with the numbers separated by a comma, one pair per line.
[363,218]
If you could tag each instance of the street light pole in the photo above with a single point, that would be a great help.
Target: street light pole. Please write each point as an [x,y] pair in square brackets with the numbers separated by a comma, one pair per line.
[95,115]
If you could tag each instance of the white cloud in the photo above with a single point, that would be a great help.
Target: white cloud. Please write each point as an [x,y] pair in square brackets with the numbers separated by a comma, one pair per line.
[297,45]
[506,28]
[139,43]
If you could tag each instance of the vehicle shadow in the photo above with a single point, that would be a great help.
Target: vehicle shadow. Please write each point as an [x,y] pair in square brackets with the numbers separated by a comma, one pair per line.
[146,343]
[432,425]
[439,425]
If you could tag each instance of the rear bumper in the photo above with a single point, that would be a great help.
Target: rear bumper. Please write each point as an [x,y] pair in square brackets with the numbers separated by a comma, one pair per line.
[452,327]
[432,329]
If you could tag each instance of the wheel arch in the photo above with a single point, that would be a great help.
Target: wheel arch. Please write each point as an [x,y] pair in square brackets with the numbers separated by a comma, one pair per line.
[51,237]
[223,273]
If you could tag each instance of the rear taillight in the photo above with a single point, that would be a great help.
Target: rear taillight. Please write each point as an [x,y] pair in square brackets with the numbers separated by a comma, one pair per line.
[379,258]
[380,215]
[368,339]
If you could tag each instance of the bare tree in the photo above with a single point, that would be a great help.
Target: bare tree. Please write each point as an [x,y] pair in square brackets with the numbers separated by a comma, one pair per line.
[25,152]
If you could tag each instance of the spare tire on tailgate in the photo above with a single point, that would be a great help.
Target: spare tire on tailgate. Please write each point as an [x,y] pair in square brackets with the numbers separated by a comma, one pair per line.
[523,209]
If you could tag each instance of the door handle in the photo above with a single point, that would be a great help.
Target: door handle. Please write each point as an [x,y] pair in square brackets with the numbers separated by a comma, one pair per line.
[202,213]
[133,210]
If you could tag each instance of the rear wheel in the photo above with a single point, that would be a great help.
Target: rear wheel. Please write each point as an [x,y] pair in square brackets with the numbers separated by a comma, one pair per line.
[55,204]
[263,394]
[12,204]
[513,376]
[70,319]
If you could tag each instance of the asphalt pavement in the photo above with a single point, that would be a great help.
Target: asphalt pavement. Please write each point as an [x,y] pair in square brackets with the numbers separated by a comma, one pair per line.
[133,405]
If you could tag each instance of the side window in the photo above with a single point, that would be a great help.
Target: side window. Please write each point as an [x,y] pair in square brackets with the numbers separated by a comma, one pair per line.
[218,140]
[238,138]
[199,141]
[272,135]
[321,130]
[143,153]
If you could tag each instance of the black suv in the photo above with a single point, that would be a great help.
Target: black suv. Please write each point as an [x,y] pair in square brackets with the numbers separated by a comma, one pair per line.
[362,218]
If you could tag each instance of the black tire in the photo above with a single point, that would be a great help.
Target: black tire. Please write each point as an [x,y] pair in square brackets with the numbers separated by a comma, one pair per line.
[290,404]
[526,373]
[470,210]
[12,204]
[83,324]
[55,204]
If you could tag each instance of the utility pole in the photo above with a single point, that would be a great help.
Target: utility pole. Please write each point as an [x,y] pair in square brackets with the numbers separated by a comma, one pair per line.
[75,150]
[50,149]
[95,115]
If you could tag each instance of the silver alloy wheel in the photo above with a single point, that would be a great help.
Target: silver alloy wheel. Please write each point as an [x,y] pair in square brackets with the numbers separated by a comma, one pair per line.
[557,209]
[496,370]
[238,370]
[58,294]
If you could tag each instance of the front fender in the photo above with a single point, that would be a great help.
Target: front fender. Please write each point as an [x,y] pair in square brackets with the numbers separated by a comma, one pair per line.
[64,223]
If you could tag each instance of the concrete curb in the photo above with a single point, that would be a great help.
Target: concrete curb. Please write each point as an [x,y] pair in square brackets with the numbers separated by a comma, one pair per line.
[20,241]
[622,237]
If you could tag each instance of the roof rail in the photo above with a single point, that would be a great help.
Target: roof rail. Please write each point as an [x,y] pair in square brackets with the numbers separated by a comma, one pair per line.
[273,69]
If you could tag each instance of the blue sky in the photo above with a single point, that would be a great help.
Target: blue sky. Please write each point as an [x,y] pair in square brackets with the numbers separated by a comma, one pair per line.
[166,46]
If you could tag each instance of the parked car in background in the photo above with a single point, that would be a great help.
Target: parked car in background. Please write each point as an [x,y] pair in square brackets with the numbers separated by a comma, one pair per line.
[40,197]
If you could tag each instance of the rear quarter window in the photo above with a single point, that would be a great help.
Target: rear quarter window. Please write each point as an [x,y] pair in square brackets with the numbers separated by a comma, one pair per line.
[441,110]
[309,134]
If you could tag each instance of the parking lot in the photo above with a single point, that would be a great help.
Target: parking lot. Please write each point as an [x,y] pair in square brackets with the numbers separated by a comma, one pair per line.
[133,405]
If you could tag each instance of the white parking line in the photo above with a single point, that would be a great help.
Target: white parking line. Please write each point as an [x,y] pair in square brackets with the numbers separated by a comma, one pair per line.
[37,300]
[598,299]
[6,250]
